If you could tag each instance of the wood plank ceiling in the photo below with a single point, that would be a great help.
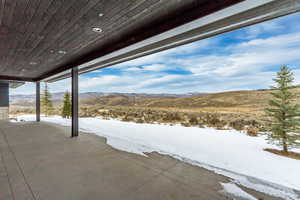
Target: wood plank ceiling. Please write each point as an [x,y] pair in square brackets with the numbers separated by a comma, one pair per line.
[39,38]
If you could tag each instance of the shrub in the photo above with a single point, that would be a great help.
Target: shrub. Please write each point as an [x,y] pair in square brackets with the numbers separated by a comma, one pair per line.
[252,131]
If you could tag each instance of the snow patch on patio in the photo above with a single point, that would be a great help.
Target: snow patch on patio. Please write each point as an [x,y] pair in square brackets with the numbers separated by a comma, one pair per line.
[235,191]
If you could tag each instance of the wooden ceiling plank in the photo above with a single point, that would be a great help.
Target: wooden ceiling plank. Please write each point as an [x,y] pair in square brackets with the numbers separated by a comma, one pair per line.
[53,28]
[84,33]
[46,18]
[115,16]
[23,27]
[57,10]
[76,28]
[31,36]
[35,25]
[7,19]
[2,7]
[123,21]
[9,8]
[126,20]
[15,34]
[20,14]
[68,23]
[57,45]
[31,9]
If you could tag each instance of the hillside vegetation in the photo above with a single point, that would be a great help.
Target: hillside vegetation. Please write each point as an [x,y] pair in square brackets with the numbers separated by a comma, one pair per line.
[240,110]
[254,101]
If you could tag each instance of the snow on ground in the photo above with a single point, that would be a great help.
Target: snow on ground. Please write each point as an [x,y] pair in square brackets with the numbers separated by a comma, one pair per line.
[226,152]
[234,190]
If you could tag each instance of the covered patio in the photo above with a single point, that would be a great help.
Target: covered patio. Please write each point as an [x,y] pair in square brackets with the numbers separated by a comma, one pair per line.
[47,41]
[47,164]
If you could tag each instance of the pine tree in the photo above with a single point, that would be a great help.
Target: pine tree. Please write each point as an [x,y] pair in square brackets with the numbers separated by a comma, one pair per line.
[284,112]
[66,111]
[46,101]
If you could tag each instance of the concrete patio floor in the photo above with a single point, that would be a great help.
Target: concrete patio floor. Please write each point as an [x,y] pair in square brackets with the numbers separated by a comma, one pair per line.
[41,161]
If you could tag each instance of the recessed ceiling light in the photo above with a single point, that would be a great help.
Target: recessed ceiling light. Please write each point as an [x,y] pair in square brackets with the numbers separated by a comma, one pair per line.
[62,52]
[97,30]
[100,14]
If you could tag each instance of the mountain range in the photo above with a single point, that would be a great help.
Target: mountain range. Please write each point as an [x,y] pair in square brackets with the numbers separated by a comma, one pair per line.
[249,101]
[29,99]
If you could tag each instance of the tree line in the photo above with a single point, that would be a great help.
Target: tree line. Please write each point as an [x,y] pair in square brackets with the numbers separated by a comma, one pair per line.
[47,105]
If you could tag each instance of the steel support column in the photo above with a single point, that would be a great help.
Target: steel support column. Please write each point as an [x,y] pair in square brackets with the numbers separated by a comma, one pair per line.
[37,102]
[75,102]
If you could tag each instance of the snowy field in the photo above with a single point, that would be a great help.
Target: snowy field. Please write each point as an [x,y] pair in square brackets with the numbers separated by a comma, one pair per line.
[227,152]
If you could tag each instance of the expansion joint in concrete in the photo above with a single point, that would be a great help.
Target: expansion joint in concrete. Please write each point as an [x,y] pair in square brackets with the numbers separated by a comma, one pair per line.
[18,165]
[6,171]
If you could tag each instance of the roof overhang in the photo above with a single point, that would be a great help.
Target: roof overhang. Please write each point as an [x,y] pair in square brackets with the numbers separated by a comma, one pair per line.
[239,15]
[43,40]
[13,84]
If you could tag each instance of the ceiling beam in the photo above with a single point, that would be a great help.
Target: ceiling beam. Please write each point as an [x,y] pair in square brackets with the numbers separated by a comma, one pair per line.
[14,78]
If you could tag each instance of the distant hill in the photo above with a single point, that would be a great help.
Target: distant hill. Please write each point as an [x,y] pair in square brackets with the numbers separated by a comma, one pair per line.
[254,101]
[234,101]
[94,97]
[241,101]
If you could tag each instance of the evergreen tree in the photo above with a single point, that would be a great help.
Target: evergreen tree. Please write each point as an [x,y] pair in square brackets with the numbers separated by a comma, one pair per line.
[67,111]
[46,101]
[284,112]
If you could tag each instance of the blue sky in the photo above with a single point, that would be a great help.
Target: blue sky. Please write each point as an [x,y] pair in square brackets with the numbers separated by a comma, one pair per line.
[240,60]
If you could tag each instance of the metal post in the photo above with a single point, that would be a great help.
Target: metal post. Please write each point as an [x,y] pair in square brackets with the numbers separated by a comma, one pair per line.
[37,102]
[75,102]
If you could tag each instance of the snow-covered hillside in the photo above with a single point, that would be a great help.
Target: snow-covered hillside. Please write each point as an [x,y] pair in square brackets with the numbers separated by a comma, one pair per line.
[227,152]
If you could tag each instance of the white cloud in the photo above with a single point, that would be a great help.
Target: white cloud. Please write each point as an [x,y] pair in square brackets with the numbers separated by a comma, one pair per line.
[96,71]
[242,58]
[248,57]
[244,66]
[152,67]
[284,40]
[156,67]
[157,80]
[263,28]
[134,69]
[101,80]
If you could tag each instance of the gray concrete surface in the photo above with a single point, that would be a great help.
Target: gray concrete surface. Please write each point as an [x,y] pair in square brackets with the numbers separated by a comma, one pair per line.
[40,161]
